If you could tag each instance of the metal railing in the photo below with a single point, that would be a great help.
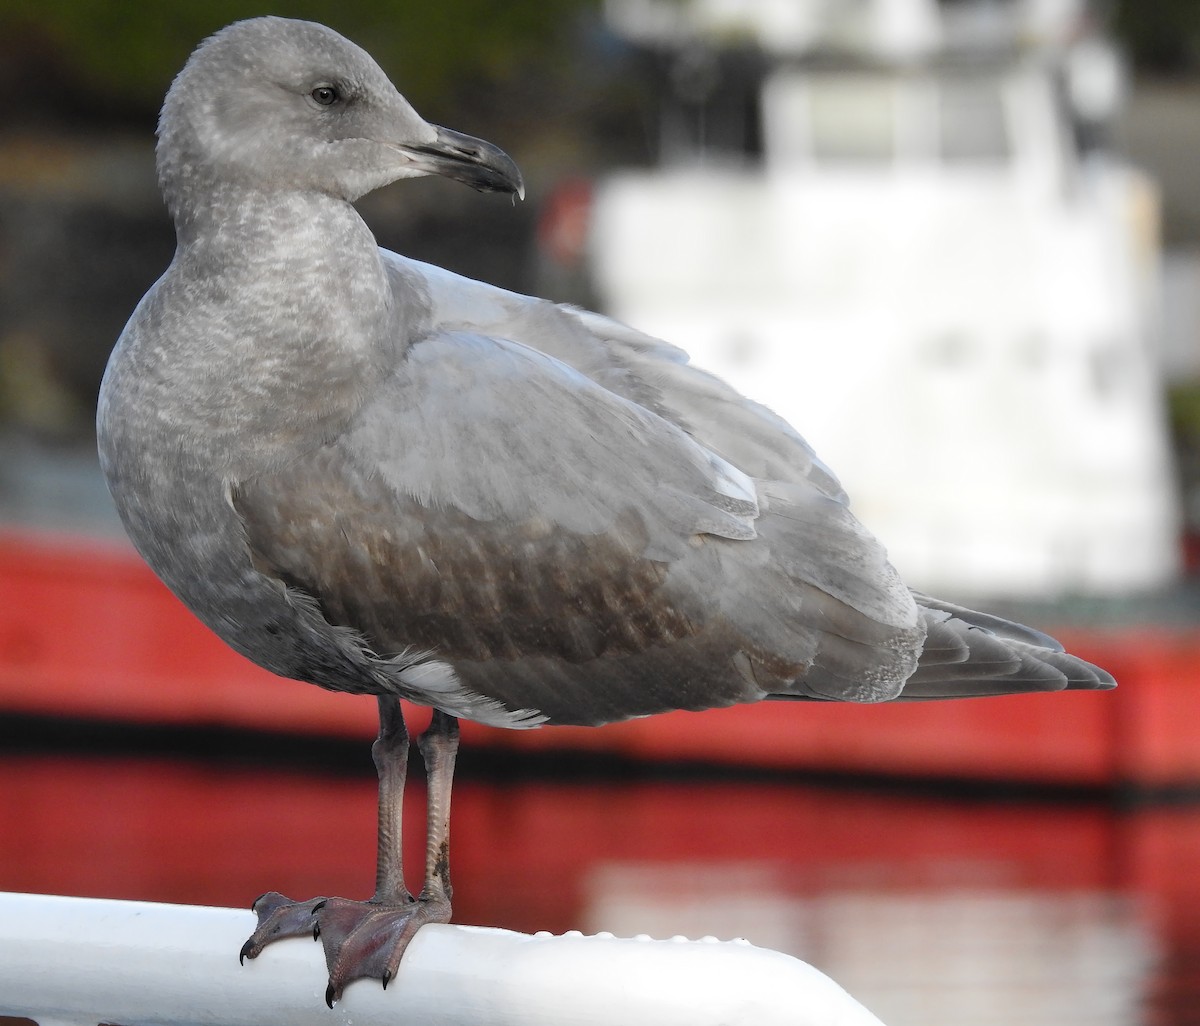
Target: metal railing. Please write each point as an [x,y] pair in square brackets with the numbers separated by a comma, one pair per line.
[82,961]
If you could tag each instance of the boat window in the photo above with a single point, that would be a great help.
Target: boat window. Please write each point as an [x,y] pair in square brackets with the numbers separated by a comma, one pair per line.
[971,126]
[853,119]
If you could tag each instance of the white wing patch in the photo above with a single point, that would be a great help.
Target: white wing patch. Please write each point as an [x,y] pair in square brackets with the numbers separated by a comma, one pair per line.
[732,483]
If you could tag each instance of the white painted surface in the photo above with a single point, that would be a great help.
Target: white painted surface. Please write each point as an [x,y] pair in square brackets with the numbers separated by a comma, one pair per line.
[81,961]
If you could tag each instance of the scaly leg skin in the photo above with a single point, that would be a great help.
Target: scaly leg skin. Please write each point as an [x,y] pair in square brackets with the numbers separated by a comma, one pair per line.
[366,939]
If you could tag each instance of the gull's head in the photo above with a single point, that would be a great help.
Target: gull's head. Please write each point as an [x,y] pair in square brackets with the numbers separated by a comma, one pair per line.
[276,104]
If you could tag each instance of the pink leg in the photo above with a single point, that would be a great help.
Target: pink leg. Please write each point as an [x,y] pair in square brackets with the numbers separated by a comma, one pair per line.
[366,939]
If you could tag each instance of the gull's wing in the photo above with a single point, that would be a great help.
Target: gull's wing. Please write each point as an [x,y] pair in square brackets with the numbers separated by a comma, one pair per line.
[561,552]
[963,652]
[639,367]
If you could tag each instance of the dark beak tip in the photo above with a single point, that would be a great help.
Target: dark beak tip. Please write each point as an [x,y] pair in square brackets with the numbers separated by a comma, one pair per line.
[474,162]
[512,186]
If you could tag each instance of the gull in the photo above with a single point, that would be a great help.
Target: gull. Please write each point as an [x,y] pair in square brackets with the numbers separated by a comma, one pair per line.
[382,478]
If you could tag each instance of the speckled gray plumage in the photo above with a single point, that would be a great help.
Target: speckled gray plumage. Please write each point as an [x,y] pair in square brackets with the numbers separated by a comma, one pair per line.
[377,476]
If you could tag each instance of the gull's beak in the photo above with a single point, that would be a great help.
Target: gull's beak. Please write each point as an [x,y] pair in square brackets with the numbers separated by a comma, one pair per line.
[469,160]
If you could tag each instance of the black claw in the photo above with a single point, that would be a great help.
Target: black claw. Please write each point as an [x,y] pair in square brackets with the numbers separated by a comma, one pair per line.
[330,995]
[316,930]
[387,978]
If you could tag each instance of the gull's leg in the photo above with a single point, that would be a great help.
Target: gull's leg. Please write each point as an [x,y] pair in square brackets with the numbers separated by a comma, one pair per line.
[280,917]
[367,939]
[439,746]
[390,754]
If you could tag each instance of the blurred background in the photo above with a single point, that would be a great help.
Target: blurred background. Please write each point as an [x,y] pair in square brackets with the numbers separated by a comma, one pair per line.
[956,243]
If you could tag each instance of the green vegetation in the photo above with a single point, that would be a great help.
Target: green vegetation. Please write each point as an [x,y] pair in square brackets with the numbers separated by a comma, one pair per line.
[1162,36]
[130,51]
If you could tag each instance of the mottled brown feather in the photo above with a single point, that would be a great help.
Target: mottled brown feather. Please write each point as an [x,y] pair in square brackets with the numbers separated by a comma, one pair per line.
[583,628]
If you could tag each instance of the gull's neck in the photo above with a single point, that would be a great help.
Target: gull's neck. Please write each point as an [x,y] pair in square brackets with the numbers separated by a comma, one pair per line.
[274,324]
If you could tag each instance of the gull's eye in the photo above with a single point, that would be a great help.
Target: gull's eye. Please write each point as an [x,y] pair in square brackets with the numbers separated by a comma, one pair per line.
[324,95]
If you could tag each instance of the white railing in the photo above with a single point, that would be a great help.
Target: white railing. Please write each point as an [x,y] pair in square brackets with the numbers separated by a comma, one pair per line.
[83,961]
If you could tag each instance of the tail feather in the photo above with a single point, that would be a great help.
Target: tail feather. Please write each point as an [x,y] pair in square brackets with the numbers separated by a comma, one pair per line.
[1008,629]
[967,654]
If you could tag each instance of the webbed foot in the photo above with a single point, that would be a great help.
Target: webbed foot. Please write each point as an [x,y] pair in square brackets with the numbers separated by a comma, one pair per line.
[366,939]
[362,939]
[280,917]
